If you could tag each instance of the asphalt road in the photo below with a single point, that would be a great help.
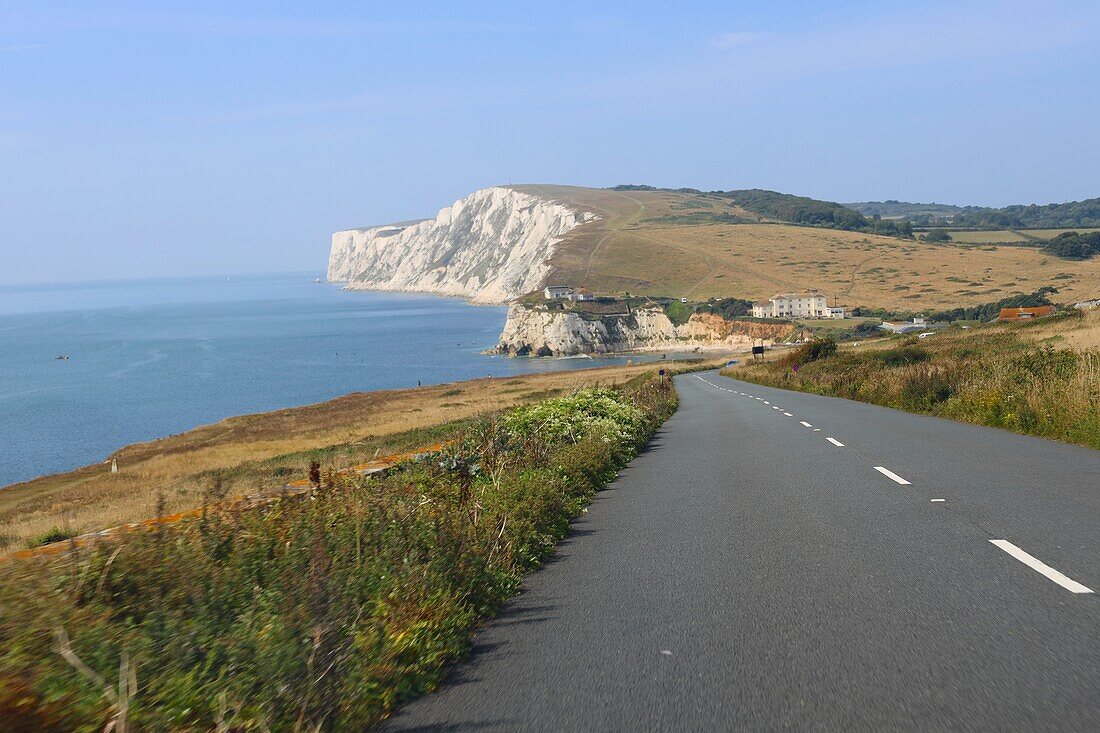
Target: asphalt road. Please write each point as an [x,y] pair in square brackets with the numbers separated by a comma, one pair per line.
[747,572]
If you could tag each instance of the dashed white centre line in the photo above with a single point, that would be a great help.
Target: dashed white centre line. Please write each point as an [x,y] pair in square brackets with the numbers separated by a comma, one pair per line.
[1041,567]
[935,500]
[835,442]
[766,402]
[788,414]
[891,475]
[805,423]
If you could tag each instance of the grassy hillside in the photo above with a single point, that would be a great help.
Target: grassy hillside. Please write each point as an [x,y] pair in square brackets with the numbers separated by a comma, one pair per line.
[1039,377]
[700,245]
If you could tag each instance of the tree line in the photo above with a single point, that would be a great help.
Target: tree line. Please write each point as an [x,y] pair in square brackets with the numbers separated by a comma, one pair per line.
[1074,245]
[800,210]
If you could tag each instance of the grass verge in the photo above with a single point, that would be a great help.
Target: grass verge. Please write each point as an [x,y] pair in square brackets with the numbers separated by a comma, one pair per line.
[1040,377]
[249,453]
[321,612]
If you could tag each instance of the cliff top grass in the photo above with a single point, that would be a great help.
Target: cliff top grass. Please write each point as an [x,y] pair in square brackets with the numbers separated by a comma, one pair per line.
[664,243]
[251,453]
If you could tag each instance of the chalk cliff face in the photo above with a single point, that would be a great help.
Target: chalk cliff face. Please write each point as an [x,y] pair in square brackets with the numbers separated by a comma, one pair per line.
[490,247]
[535,332]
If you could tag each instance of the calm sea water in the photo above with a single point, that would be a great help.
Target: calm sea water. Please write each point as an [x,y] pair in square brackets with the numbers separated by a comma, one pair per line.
[153,357]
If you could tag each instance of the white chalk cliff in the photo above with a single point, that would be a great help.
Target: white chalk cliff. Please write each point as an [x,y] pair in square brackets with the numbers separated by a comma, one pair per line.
[490,247]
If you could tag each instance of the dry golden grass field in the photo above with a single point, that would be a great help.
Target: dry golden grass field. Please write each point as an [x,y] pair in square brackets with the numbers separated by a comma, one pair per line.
[1082,336]
[662,243]
[252,453]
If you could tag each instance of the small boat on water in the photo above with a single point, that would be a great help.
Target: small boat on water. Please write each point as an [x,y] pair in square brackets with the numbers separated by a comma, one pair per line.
[316,281]
[63,357]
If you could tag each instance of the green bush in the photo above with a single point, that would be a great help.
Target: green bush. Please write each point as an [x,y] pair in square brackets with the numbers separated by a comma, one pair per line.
[937,235]
[55,534]
[593,410]
[812,351]
[679,313]
[901,356]
[923,390]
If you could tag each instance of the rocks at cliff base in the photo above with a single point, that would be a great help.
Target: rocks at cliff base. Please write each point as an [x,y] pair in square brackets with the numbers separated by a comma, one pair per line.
[537,332]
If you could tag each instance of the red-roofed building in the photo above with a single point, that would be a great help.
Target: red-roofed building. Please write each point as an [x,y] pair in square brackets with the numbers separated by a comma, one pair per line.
[1023,314]
[583,294]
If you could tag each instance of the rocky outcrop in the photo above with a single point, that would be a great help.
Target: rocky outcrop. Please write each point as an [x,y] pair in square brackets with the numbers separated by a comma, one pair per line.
[538,332]
[490,247]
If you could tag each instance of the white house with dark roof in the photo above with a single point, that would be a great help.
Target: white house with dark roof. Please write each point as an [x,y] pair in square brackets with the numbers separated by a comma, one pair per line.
[796,305]
[557,292]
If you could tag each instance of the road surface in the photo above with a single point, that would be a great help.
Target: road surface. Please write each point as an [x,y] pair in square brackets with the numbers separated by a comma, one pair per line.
[784,560]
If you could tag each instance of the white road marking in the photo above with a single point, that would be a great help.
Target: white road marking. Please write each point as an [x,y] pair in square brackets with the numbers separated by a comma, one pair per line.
[774,407]
[1041,567]
[891,475]
[766,402]
[835,442]
[788,414]
[666,652]
[817,430]
[939,500]
[805,423]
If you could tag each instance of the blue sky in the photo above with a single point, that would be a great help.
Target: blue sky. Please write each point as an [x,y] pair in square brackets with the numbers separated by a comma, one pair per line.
[143,139]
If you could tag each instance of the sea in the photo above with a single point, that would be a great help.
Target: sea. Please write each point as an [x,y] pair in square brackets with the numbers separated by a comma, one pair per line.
[149,358]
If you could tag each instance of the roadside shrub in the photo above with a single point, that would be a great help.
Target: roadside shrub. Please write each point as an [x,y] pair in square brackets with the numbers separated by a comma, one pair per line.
[901,356]
[924,389]
[56,534]
[812,351]
[1046,363]
[591,410]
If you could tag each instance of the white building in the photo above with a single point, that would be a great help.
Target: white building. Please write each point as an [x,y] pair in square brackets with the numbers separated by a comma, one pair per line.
[796,305]
[557,292]
[917,324]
